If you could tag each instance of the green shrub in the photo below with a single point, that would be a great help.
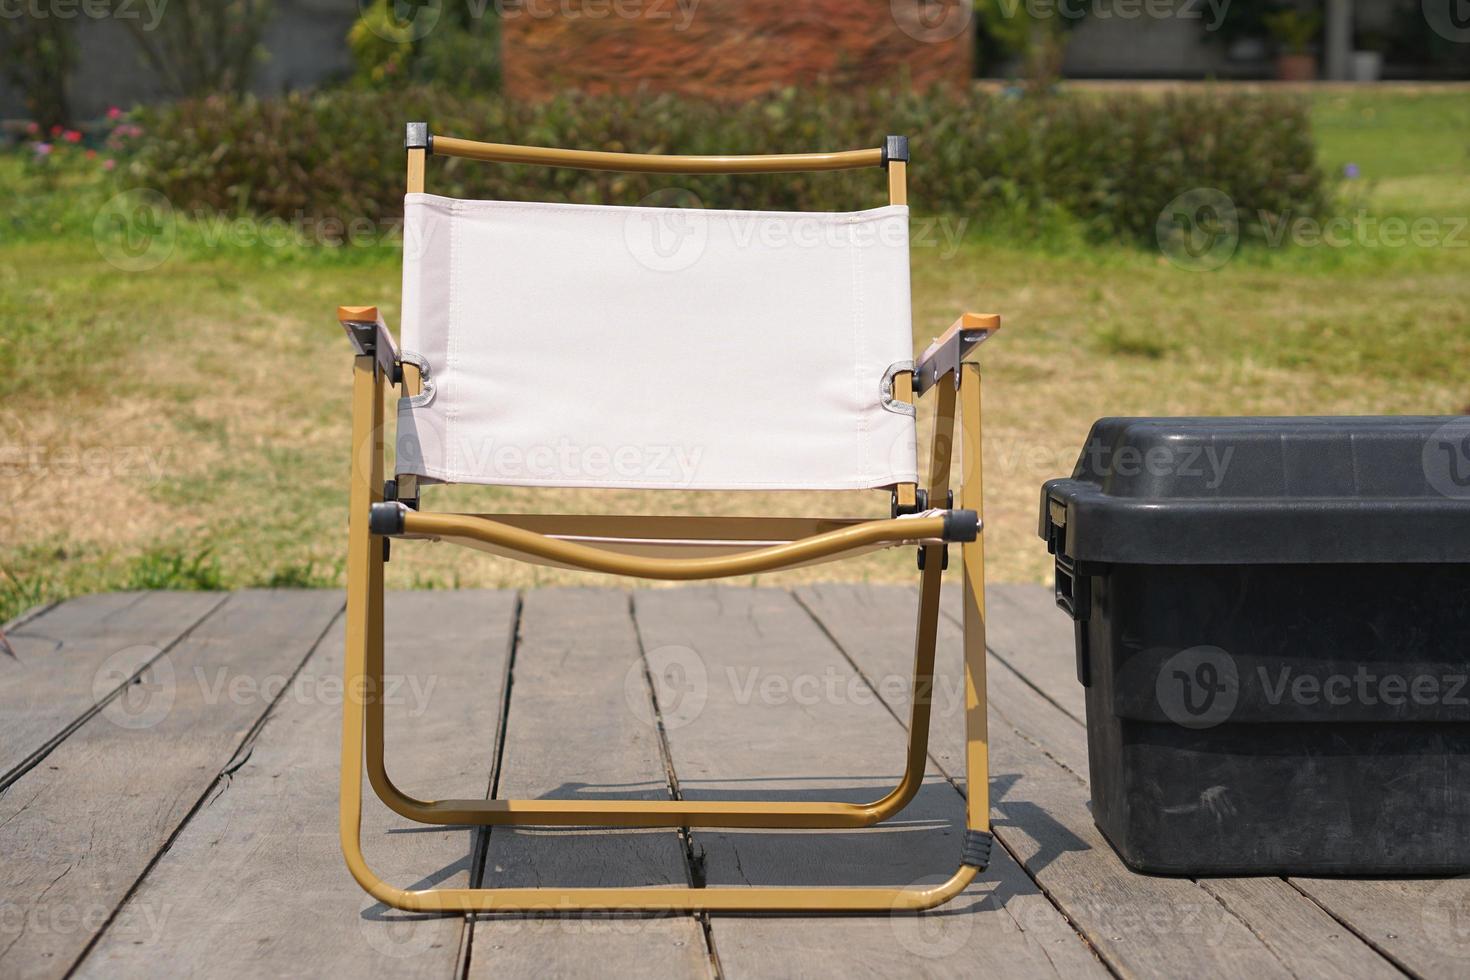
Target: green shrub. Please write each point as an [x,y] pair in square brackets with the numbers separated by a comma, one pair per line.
[1112,162]
[458,53]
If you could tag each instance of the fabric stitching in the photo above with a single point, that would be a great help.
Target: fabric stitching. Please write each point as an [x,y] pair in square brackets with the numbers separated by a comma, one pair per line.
[458,477]
[456,205]
[857,349]
[451,341]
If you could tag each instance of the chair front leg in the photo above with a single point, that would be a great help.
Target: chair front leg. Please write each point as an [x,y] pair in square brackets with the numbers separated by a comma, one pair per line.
[977,745]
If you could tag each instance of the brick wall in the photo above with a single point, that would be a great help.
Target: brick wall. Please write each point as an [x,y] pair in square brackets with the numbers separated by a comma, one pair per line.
[731,49]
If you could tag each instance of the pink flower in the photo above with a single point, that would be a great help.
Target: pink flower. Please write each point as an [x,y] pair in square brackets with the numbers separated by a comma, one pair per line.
[32,128]
[113,112]
[72,136]
[43,149]
[56,130]
[109,163]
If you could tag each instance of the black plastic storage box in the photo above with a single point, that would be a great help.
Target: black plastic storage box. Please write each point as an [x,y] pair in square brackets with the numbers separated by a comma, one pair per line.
[1273,626]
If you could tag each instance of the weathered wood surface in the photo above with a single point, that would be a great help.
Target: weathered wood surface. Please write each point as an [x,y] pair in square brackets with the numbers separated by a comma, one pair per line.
[785,714]
[69,658]
[80,828]
[198,837]
[255,884]
[581,726]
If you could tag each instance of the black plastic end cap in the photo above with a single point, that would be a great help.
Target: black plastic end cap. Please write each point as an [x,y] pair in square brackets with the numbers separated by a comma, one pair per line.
[977,849]
[416,136]
[386,518]
[895,148]
[961,525]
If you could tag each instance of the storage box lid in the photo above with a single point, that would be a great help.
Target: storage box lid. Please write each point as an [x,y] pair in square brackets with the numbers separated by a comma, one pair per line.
[1265,491]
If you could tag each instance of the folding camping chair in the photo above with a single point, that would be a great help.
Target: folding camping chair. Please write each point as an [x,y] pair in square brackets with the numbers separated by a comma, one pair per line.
[546,344]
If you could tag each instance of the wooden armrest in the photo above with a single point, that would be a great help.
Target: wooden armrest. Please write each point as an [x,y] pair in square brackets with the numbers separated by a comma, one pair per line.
[951,348]
[370,337]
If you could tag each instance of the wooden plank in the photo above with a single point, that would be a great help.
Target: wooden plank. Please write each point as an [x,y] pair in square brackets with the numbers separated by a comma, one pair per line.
[77,653]
[1419,923]
[574,733]
[255,881]
[79,830]
[768,708]
[26,615]
[1143,926]
[843,603]
[1304,937]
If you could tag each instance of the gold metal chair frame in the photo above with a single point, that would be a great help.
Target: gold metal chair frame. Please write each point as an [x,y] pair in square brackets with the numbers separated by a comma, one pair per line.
[640,546]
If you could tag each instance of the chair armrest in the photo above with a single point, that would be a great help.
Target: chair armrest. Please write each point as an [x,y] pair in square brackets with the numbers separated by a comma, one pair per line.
[370,337]
[952,347]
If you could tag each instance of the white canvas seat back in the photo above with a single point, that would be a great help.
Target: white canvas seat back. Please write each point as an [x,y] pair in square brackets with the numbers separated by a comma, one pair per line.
[658,348]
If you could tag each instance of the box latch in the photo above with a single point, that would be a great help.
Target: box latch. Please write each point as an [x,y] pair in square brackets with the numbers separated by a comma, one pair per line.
[1073,586]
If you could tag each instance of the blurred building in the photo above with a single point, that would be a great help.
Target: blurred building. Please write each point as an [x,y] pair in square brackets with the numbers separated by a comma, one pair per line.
[305,45]
[733,49]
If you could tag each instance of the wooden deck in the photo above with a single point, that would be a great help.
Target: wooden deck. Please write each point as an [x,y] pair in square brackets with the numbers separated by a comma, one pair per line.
[168,796]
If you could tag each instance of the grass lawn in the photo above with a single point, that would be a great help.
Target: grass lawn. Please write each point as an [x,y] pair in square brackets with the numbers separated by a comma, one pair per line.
[187,426]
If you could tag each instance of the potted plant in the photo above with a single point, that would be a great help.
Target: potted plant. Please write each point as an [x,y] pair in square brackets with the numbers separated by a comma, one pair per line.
[1368,56]
[1294,31]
